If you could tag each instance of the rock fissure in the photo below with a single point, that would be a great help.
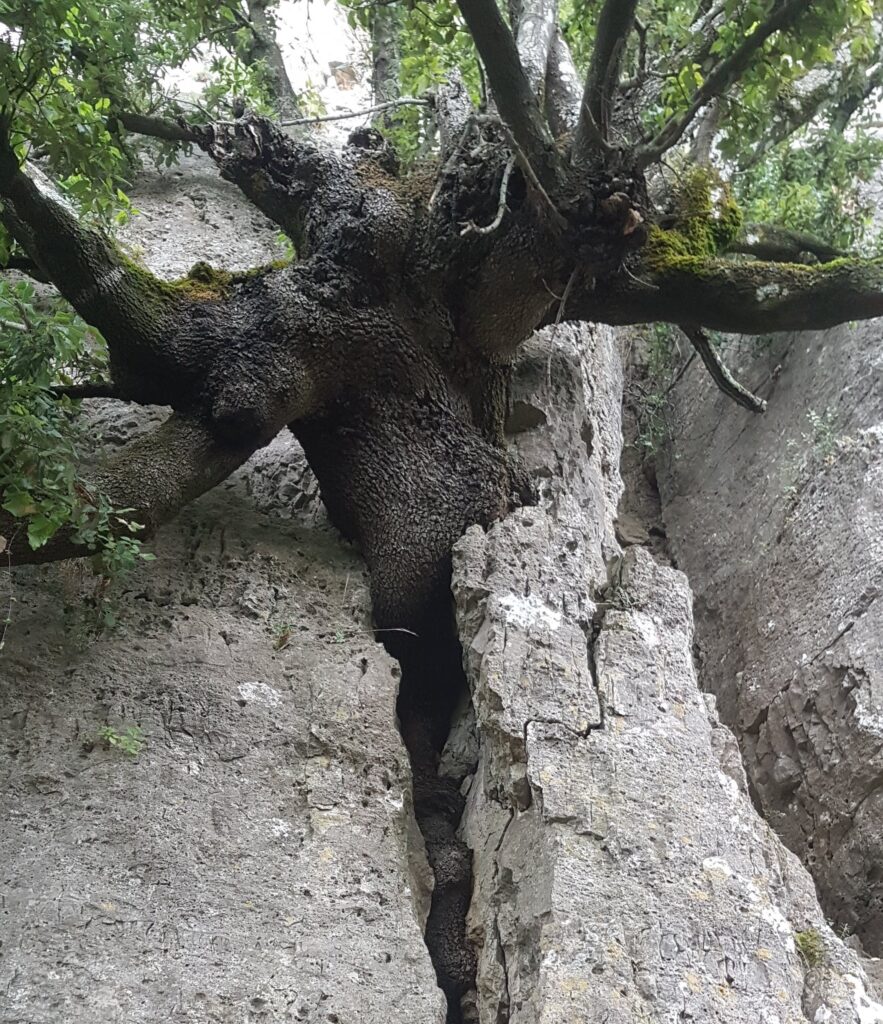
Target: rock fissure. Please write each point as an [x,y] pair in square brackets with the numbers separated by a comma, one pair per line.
[433,687]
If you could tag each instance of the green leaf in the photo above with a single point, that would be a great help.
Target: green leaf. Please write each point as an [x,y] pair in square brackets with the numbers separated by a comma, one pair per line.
[40,529]
[19,504]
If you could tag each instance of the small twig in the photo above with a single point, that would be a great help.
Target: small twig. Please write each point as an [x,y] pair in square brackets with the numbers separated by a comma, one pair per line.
[14,325]
[638,280]
[473,228]
[451,162]
[559,316]
[6,546]
[524,163]
[719,373]
[681,372]
[407,101]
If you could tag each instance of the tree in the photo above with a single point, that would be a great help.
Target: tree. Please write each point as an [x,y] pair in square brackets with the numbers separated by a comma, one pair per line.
[508,195]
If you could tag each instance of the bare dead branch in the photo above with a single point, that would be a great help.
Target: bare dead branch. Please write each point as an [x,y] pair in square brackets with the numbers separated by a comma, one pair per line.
[533,179]
[615,24]
[719,373]
[515,100]
[785,13]
[405,101]
[471,227]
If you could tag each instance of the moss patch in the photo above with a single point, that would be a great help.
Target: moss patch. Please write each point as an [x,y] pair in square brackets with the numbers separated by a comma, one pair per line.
[706,219]
[810,946]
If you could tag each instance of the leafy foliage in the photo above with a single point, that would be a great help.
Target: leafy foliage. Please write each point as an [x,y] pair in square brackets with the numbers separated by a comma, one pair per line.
[43,344]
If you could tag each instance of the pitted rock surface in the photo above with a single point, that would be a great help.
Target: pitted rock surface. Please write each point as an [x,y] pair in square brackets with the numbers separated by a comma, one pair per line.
[257,859]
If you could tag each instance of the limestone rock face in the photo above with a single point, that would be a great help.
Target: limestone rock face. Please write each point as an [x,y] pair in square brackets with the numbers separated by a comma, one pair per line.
[622,873]
[256,859]
[778,522]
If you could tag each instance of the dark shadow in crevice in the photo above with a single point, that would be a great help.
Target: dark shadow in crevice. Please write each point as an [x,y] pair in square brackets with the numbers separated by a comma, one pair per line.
[433,686]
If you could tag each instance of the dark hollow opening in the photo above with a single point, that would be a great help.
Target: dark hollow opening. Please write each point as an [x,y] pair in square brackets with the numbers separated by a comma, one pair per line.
[433,686]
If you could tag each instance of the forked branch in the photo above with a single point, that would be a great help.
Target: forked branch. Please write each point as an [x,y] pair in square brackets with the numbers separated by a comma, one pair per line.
[615,24]
[518,106]
[784,14]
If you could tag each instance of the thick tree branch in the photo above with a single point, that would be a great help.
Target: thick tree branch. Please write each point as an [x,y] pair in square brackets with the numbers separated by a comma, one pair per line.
[838,96]
[721,78]
[751,297]
[158,127]
[155,476]
[782,245]
[718,371]
[108,291]
[534,33]
[103,389]
[515,100]
[264,47]
[26,266]
[386,53]
[614,27]
[563,87]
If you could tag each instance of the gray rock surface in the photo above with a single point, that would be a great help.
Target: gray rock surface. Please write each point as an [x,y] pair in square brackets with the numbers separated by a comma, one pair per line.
[622,873]
[778,522]
[257,859]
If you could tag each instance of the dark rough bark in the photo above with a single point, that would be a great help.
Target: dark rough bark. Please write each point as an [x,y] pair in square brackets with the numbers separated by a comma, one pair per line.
[387,347]
[405,477]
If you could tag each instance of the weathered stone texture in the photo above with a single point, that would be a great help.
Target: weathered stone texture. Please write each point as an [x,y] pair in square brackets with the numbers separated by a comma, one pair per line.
[257,859]
[778,522]
[622,874]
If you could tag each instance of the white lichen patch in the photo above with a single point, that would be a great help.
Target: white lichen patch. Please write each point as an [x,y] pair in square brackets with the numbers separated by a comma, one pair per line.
[529,611]
[769,291]
[730,785]
[773,916]
[717,867]
[646,628]
[279,828]
[260,693]
[868,1010]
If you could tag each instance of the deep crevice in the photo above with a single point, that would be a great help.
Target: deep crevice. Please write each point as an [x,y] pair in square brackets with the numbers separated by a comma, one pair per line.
[433,686]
